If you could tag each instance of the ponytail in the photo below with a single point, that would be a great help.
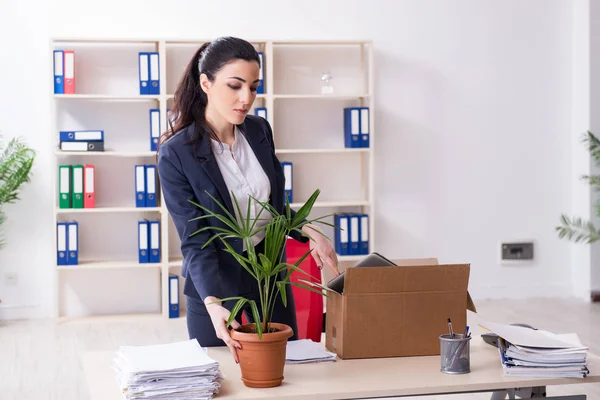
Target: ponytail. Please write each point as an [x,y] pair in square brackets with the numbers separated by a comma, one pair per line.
[190,101]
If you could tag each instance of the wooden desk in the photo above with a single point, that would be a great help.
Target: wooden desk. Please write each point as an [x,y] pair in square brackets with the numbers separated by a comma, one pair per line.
[351,379]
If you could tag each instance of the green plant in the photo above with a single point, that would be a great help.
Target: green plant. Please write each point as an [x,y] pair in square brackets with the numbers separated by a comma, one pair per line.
[16,161]
[576,228]
[265,267]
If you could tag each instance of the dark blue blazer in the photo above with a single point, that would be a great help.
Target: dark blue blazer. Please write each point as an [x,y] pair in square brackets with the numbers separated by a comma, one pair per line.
[185,173]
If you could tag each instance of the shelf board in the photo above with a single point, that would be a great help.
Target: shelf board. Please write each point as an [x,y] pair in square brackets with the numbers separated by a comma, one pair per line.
[258,96]
[177,262]
[109,153]
[350,258]
[347,203]
[104,318]
[107,97]
[106,210]
[321,96]
[321,151]
[105,40]
[320,42]
[107,265]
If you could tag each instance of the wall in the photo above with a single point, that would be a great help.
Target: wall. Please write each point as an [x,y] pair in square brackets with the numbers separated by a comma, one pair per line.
[473,122]
[594,123]
[581,255]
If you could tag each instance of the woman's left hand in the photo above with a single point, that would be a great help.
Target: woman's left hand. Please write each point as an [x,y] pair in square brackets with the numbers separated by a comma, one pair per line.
[321,248]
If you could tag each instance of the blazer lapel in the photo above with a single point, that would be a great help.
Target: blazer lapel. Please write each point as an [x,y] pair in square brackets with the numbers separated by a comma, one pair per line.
[262,149]
[210,166]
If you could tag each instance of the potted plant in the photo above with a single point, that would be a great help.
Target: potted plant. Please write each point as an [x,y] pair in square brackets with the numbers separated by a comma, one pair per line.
[576,229]
[16,161]
[262,357]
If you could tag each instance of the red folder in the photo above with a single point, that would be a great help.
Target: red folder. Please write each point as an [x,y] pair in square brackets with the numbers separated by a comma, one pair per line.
[69,65]
[309,305]
[89,186]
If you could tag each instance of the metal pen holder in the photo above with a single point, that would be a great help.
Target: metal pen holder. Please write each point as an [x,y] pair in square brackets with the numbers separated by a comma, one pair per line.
[455,357]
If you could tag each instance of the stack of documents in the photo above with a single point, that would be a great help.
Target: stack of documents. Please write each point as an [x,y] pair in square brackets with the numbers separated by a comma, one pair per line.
[306,351]
[537,353]
[180,370]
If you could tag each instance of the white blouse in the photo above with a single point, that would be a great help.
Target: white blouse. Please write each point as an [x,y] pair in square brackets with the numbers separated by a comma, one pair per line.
[244,175]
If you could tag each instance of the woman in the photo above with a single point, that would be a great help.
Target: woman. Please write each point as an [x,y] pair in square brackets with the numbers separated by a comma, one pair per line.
[216,146]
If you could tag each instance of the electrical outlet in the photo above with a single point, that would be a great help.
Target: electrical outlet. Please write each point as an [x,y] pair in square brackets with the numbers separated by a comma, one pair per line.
[515,251]
[11,278]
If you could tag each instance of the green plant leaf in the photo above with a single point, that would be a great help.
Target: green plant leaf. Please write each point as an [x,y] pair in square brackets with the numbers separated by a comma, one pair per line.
[225,220]
[593,146]
[210,240]
[315,284]
[236,309]
[300,270]
[243,261]
[307,288]
[225,299]
[266,264]
[288,206]
[217,229]
[577,230]
[16,162]
[593,180]
[256,316]
[281,287]
[306,208]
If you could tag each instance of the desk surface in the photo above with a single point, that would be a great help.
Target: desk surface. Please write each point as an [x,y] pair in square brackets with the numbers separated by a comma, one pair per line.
[381,377]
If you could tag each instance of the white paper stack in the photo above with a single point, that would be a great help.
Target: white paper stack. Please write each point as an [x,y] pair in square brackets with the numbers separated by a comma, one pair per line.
[179,370]
[306,351]
[537,353]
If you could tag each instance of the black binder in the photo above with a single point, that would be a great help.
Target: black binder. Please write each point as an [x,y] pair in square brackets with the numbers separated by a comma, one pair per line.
[372,260]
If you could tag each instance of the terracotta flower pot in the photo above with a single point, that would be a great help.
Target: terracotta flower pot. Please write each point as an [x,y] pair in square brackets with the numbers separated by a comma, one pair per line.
[262,360]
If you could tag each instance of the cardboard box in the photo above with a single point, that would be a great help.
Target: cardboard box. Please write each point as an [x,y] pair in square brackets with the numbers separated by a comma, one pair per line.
[397,311]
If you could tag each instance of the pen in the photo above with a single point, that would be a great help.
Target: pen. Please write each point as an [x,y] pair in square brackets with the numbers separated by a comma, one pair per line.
[450,328]
[466,331]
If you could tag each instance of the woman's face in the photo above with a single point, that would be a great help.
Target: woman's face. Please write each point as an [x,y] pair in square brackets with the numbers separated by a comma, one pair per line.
[233,90]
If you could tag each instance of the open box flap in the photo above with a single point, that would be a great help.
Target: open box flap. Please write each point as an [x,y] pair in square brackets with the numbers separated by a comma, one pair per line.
[416,275]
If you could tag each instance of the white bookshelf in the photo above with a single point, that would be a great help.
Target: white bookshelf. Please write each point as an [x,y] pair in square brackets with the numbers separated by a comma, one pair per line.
[307,127]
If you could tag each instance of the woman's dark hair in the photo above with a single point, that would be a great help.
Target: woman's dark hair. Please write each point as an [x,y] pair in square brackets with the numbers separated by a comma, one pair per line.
[190,101]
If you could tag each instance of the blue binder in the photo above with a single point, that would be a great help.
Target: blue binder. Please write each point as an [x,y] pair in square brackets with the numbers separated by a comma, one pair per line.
[140,186]
[364,234]
[82,136]
[144,72]
[73,243]
[154,128]
[354,234]
[62,243]
[261,112]
[352,127]
[365,129]
[173,296]
[260,89]
[154,73]
[151,197]
[59,72]
[289,182]
[143,241]
[154,242]
[342,234]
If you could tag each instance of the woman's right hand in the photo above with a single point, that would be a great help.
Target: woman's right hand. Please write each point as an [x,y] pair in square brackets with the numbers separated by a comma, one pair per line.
[219,316]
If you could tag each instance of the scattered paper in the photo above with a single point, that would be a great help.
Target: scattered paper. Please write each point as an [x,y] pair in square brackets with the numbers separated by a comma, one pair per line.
[307,351]
[179,370]
[537,353]
[519,335]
